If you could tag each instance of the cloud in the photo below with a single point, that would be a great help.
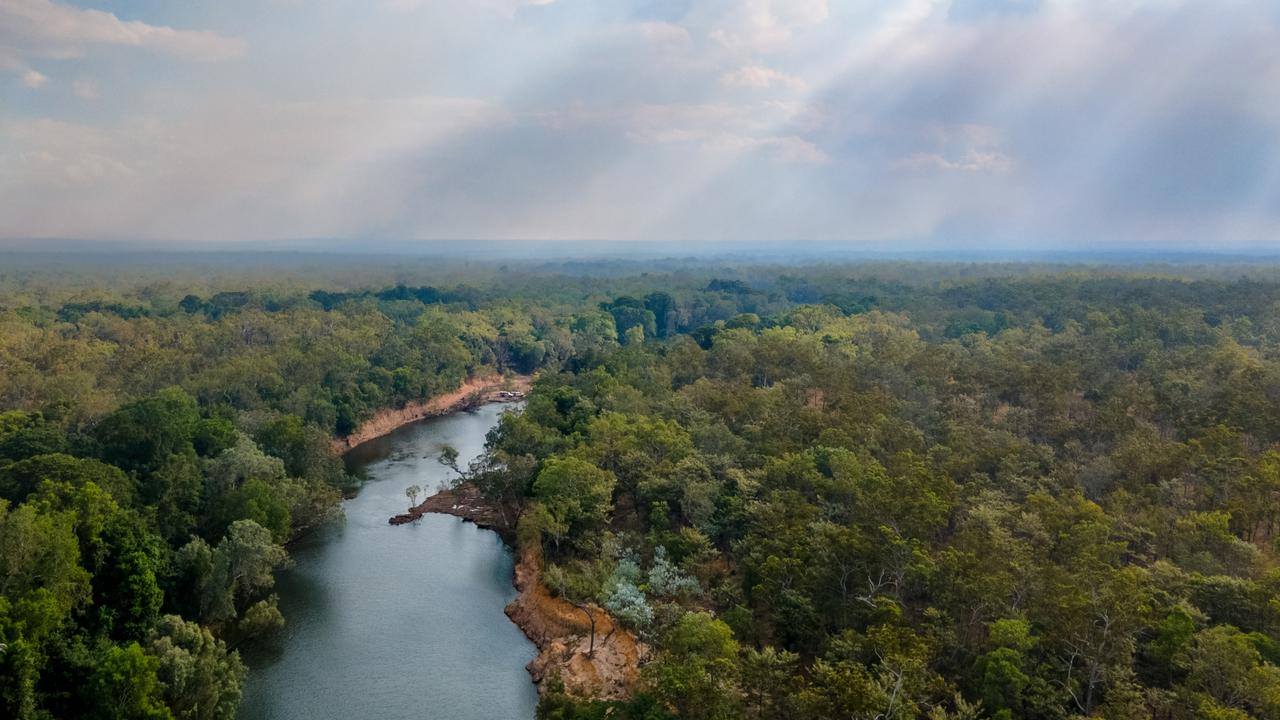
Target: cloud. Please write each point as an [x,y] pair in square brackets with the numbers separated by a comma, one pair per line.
[759,77]
[663,34]
[972,161]
[34,79]
[726,128]
[764,26]
[911,121]
[965,148]
[247,167]
[85,89]
[789,148]
[43,28]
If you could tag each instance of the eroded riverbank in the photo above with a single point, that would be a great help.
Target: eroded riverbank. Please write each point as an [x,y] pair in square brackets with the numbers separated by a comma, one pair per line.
[561,631]
[475,391]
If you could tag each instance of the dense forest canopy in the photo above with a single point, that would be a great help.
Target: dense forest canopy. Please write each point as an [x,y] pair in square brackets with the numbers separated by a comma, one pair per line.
[864,490]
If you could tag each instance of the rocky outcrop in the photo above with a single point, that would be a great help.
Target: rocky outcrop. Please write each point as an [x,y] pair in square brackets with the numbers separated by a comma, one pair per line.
[475,391]
[562,634]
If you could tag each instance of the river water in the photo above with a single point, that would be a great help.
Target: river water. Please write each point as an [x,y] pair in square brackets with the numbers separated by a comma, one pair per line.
[397,622]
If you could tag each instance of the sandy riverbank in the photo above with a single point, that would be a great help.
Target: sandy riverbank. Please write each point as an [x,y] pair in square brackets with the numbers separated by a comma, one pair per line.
[385,421]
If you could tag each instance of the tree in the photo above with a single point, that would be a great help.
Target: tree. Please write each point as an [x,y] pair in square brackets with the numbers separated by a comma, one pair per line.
[304,449]
[213,435]
[225,581]
[448,457]
[768,680]
[630,314]
[665,312]
[40,558]
[141,434]
[174,494]
[579,587]
[246,483]
[124,686]
[843,690]
[41,584]
[575,493]
[201,678]
[20,479]
[262,503]
[24,435]
[696,672]
[502,479]
[1226,671]
[666,580]
[412,492]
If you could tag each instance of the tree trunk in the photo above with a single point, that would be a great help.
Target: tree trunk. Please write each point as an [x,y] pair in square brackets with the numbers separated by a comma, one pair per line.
[591,646]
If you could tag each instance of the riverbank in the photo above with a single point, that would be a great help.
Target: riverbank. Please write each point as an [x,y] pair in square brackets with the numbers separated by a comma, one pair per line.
[475,390]
[463,501]
[560,631]
[562,635]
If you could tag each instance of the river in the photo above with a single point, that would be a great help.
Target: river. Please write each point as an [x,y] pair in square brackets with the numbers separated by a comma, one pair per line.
[397,622]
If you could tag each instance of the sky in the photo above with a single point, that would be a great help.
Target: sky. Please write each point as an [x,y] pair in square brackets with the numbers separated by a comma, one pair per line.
[916,124]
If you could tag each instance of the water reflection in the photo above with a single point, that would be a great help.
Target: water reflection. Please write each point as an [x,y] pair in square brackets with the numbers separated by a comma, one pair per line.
[397,622]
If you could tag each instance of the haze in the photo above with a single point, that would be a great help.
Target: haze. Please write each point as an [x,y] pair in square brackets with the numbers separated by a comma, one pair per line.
[925,124]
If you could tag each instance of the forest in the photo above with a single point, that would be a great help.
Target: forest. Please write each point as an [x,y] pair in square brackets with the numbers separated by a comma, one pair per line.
[815,491]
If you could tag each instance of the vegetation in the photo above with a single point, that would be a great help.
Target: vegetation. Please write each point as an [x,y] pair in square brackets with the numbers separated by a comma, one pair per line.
[156,455]
[875,491]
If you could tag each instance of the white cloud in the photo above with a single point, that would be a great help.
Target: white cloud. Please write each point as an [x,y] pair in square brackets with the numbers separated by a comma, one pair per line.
[788,148]
[840,119]
[43,28]
[759,77]
[723,129]
[664,34]
[972,161]
[764,26]
[966,148]
[34,79]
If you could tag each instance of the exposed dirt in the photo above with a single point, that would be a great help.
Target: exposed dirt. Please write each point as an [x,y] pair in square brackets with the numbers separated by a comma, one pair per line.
[463,501]
[475,391]
[562,634]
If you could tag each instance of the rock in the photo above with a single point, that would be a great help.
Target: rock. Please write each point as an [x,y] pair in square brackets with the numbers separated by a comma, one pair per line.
[561,633]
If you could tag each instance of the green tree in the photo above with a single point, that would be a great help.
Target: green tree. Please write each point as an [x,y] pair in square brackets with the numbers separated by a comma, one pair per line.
[579,587]
[200,677]
[768,681]
[228,580]
[22,478]
[124,686]
[696,672]
[41,583]
[140,435]
[575,493]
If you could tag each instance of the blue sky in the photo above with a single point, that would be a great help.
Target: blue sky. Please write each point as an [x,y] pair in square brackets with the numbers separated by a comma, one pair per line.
[918,124]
